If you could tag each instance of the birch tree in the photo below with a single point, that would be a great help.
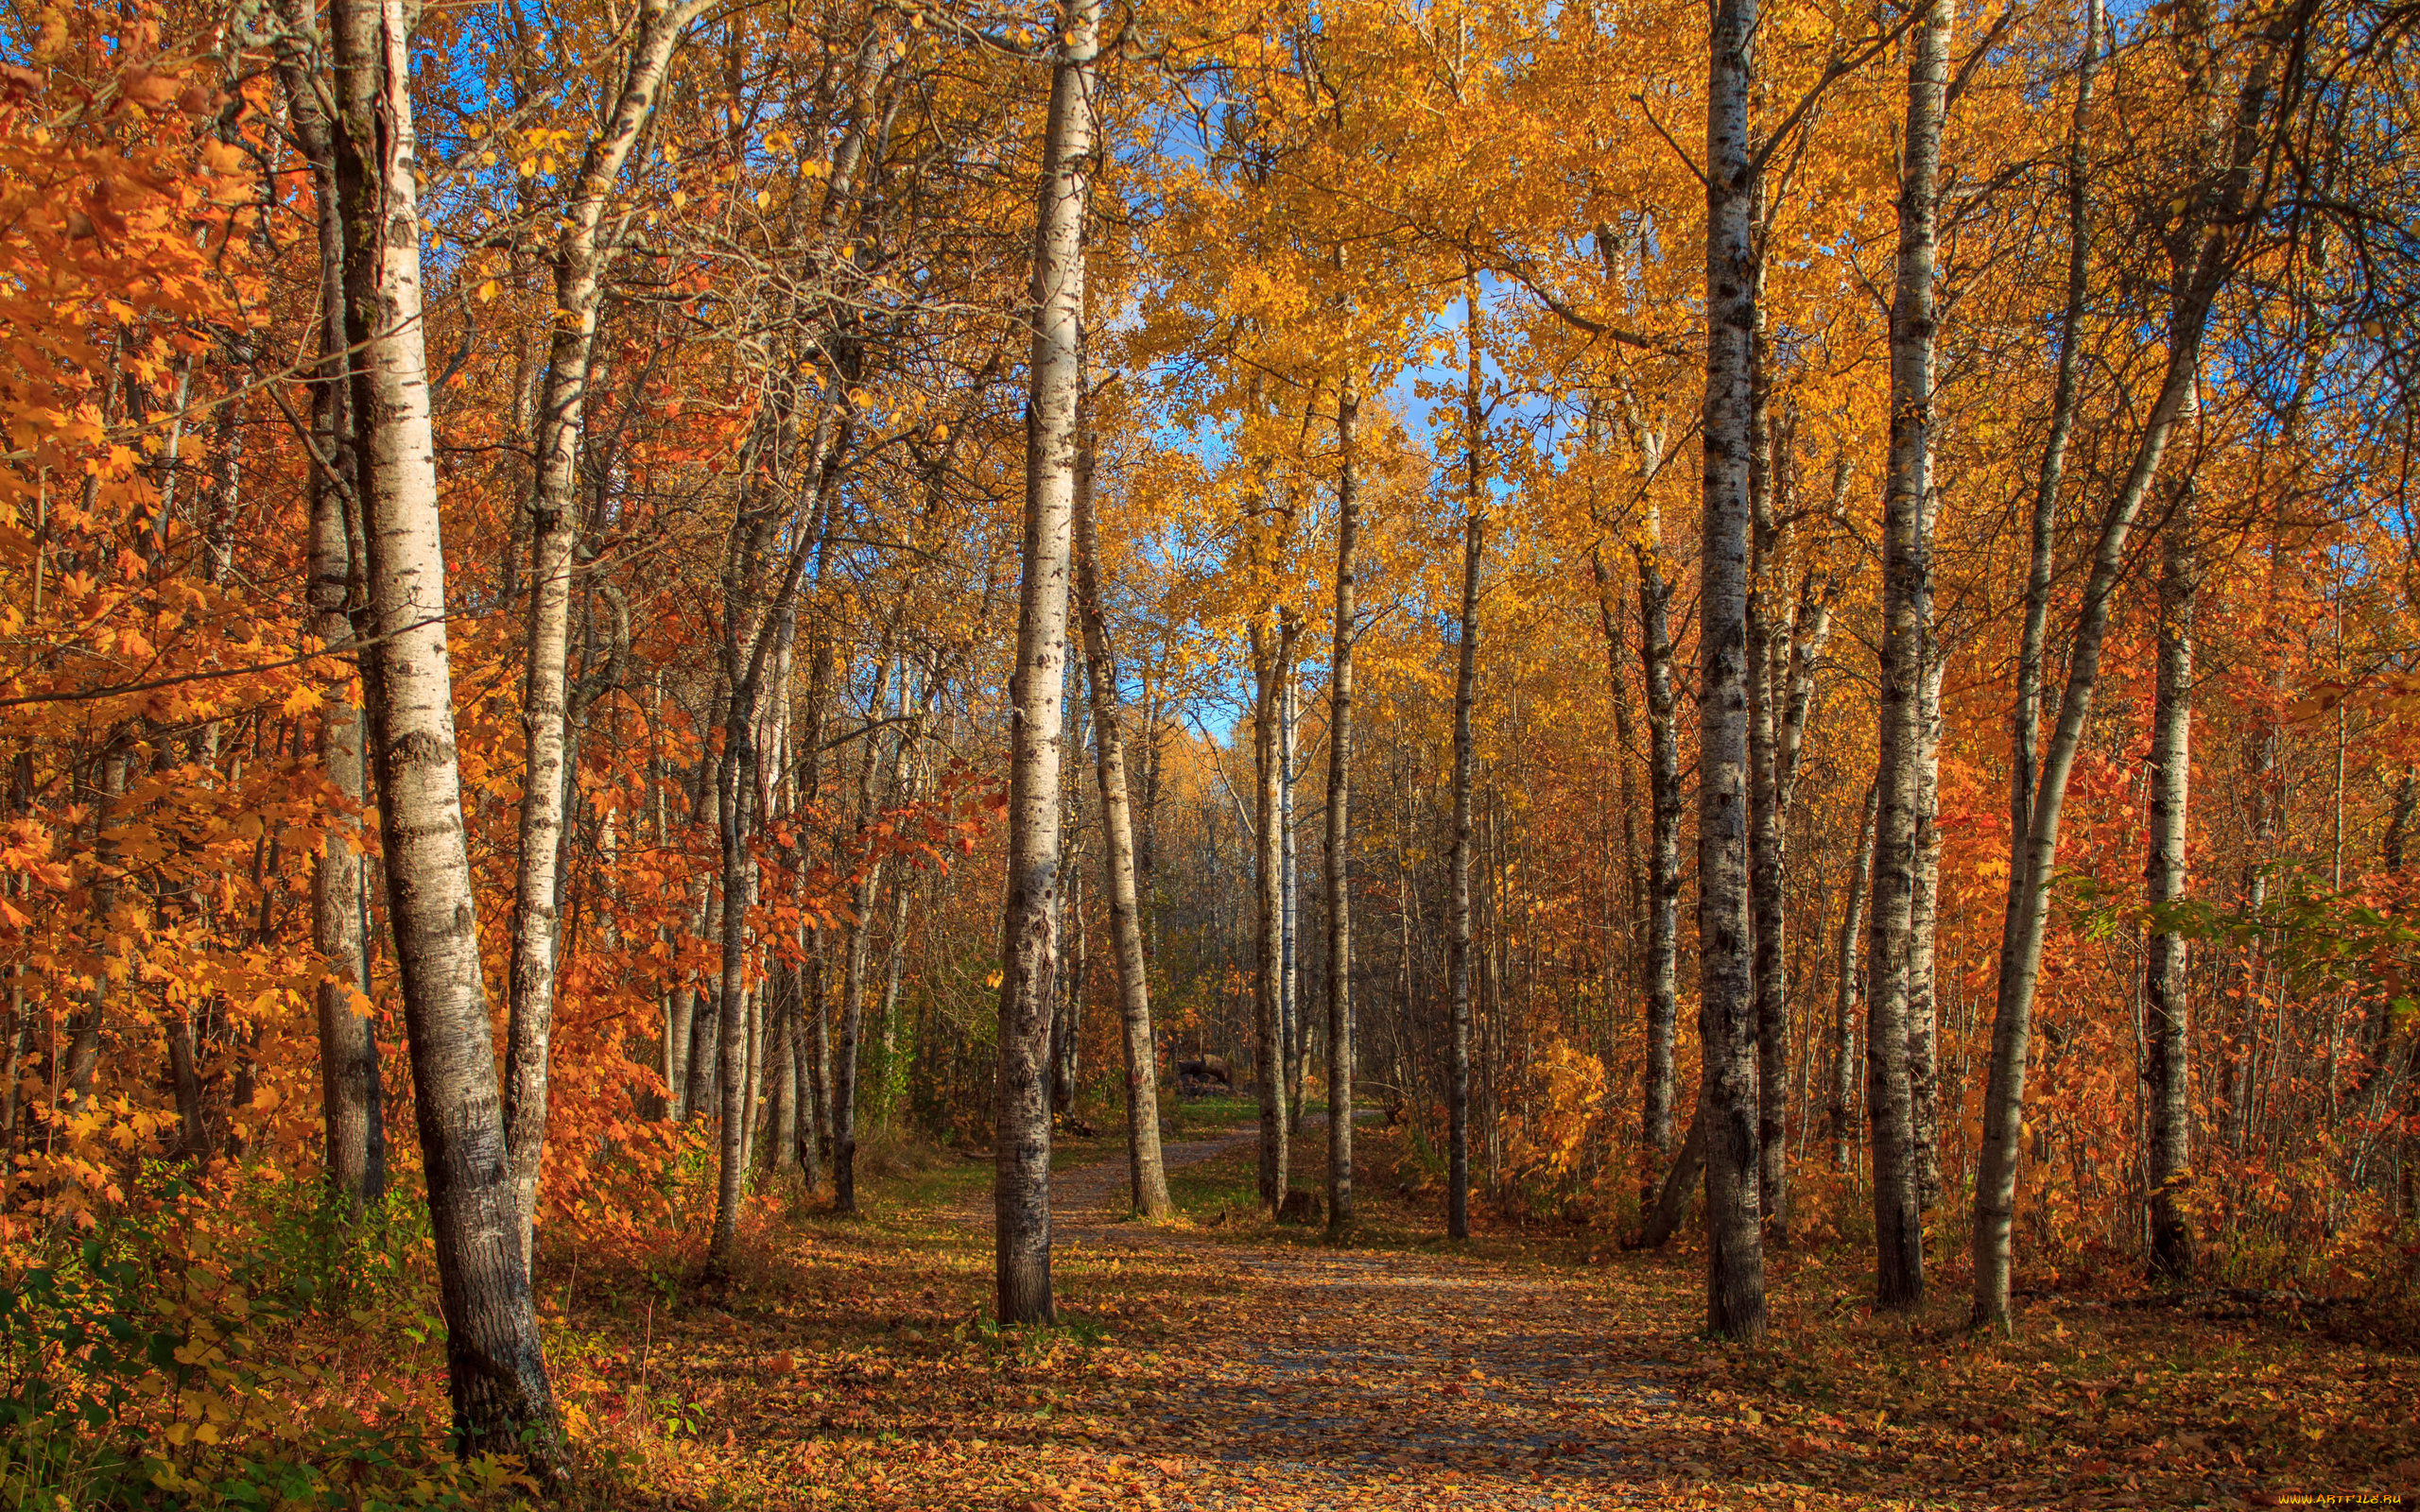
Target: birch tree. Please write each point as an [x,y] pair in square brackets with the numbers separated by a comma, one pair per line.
[2166,1068]
[584,247]
[494,1362]
[2218,221]
[1336,858]
[1146,1171]
[1457,968]
[1907,587]
[1029,949]
[1728,1109]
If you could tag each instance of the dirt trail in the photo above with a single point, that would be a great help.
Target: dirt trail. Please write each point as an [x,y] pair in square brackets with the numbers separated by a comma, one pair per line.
[1343,1378]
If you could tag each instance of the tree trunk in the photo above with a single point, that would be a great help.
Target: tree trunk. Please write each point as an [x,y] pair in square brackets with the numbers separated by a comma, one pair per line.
[704,1034]
[1457,968]
[352,1101]
[2221,215]
[1067,1026]
[1271,658]
[1924,915]
[2165,964]
[1726,1008]
[1298,1030]
[1844,1090]
[1767,666]
[757,603]
[736,789]
[1907,593]
[1144,1165]
[1029,953]
[1339,831]
[1671,1203]
[1662,972]
[494,1361]
[782,1026]
[862,894]
[583,248]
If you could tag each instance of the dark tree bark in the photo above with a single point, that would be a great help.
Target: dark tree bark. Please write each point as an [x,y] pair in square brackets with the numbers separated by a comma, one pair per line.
[1458,1094]
[1662,970]
[352,1101]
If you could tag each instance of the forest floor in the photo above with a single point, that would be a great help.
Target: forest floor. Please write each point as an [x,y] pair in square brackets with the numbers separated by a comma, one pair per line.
[1221,1362]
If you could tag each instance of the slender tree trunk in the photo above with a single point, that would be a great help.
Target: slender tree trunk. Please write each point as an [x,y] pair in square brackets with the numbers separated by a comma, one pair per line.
[1067,1025]
[85,1026]
[704,1034]
[1271,657]
[1458,969]
[1843,1089]
[1144,1165]
[1340,829]
[896,948]
[1671,1204]
[1726,1008]
[1662,972]
[852,977]
[494,1358]
[1298,1029]
[1924,914]
[735,787]
[352,1101]
[757,602]
[2221,216]
[2169,1071]
[781,1002]
[1786,675]
[1611,617]
[1767,665]
[1906,571]
[583,248]
[1029,953]
[816,1148]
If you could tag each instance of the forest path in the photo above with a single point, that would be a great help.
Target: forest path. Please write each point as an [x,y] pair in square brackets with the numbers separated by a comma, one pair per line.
[1326,1377]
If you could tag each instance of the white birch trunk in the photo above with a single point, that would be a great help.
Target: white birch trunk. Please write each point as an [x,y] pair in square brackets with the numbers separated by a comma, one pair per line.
[494,1357]
[1029,952]
[1727,1111]
[583,248]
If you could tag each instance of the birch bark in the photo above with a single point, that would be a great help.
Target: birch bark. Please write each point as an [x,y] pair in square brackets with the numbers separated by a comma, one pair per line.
[583,248]
[352,1100]
[2216,223]
[494,1361]
[1662,970]
[2168,1070]
[1727,1112]
[1272,654]
[1457,968]
[1907,570]
[1843,1089]
[1147,1175]
[1029,955]
[1340,829]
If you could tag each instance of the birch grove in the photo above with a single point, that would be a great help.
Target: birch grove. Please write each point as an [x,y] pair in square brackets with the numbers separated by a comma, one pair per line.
[1777,637]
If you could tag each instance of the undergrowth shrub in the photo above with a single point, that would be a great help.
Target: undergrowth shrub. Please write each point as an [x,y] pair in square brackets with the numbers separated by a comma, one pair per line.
[171,1357]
